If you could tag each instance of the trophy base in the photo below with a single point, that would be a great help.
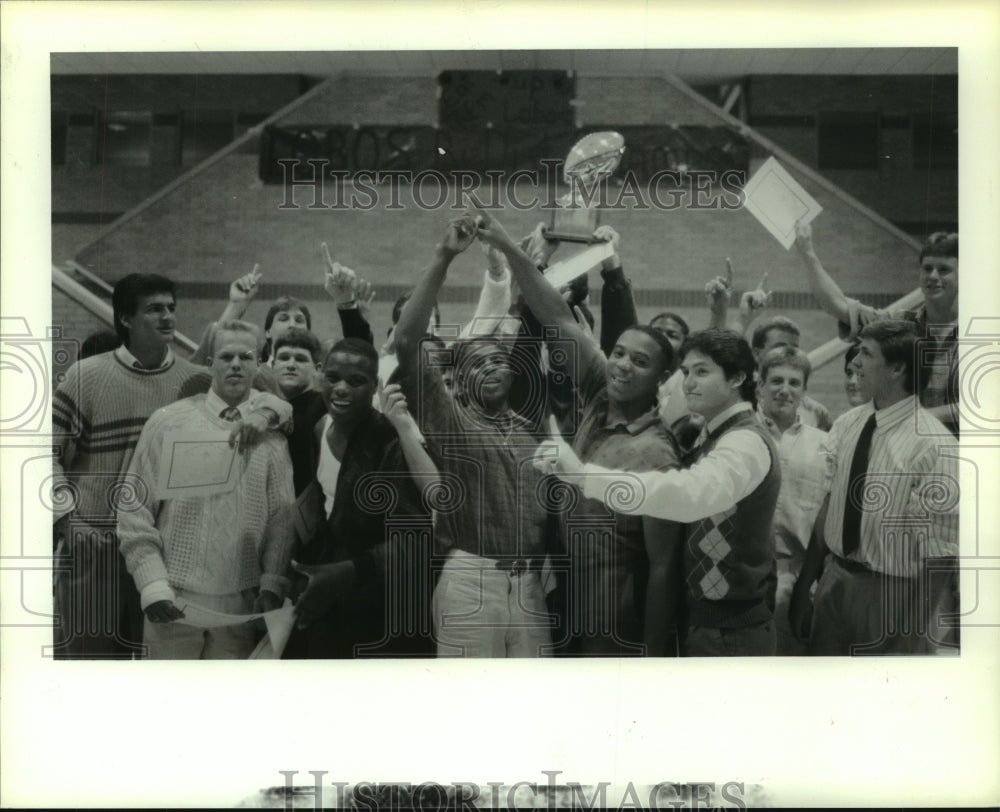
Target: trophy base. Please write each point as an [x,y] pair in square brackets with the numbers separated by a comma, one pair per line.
[573,225]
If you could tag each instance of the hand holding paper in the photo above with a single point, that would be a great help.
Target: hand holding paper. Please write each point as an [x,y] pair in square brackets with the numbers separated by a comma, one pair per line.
[163,612]
[326,583]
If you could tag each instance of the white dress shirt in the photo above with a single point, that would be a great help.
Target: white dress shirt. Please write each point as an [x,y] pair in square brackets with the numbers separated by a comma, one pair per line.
[731,471]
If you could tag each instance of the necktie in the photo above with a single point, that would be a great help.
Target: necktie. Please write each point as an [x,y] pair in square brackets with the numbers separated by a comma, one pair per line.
[856,488]
[230,413]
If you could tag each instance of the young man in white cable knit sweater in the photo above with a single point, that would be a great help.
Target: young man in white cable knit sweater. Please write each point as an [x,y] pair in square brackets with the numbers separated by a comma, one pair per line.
[226,552]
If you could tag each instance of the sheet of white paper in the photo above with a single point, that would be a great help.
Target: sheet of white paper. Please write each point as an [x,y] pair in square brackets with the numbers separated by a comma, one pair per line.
[279,626]
[777,200]
[562,273]
[195,615]
[279,629]
[196,463]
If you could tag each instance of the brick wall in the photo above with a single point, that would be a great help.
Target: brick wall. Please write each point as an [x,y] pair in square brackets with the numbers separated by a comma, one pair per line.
[631,100]
[214,228]
[372,100]
[82,186]
[75,322]
[922,199]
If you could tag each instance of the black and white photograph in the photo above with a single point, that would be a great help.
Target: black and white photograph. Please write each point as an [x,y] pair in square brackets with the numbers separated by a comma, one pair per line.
[401,342]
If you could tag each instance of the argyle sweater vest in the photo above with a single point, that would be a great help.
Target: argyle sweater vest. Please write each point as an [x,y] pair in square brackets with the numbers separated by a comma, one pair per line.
[729,557]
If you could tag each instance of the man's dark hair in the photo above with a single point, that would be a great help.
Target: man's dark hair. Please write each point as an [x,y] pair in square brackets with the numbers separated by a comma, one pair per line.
[760,332]
[730,351]
[940,244]
[897,339]
[303,339]
[667,314]
[128,291]
[852,351]
[283,303]
[355,346]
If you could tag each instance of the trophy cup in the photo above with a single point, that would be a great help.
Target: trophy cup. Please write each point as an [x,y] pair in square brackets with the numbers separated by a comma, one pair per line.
[591,160]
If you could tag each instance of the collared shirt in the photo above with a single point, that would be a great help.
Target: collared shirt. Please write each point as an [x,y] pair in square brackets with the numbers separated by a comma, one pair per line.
[498,512]
[813,413]
[804,484]
[254,401]
[123,354]
[911,493]
[640,445]
[731,471]
[216,405]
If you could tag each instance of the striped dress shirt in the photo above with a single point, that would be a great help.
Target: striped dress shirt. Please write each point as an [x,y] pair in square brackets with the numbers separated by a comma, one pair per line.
[911,498]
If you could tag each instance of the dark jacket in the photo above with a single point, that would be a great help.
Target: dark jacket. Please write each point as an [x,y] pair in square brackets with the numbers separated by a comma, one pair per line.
[379,522]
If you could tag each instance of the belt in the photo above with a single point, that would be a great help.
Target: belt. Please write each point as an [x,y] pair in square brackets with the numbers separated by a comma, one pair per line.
[853,566]
[517,566]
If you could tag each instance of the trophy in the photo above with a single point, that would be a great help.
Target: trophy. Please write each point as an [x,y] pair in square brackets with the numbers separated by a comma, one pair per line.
[591,160]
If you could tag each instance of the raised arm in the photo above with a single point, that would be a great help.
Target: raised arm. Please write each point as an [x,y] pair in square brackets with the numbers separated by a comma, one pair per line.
[618,311]
[752,303]
[241,293]
[718,291]
[417,311]
[351,295]
[425,473]
[494,298]
[827,292]
[544,300]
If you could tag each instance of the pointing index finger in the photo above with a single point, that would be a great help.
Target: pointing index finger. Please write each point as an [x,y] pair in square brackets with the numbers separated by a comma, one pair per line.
[763,281]
[729,272]
[326,255]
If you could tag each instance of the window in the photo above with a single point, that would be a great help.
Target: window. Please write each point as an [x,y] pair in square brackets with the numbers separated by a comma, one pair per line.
[848,140]
[935,140]
[126,138]
[203,133]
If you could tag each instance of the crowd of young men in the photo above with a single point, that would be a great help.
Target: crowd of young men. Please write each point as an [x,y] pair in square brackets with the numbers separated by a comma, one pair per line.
[528,490]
